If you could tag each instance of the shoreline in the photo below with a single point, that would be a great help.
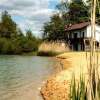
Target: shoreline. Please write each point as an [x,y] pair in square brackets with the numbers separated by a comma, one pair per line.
[53,89]
[58,86]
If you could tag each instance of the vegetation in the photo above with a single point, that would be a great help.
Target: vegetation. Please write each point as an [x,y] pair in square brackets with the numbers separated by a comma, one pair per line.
[79,90]
[52,48]
[69,13]
[54,30]
[12,40]
[49,53]
[97,9]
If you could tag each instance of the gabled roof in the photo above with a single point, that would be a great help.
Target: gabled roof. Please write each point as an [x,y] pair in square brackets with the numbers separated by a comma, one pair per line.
[76,26]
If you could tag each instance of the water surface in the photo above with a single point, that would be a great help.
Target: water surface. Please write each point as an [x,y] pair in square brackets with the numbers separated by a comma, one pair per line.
[21,76]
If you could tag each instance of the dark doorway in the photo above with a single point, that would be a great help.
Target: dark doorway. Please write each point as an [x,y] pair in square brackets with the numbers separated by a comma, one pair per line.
[75,35]
[75,46]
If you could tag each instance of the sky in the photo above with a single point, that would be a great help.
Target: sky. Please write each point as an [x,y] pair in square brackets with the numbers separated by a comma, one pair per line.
[30,14]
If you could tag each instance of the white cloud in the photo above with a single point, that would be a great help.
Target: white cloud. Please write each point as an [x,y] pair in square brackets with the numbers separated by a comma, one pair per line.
[33,12]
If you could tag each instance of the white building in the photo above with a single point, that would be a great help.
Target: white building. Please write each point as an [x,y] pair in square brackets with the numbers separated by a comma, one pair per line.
[78,35]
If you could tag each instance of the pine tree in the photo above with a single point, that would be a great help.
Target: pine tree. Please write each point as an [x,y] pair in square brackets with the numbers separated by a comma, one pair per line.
[78,12]
[8,27]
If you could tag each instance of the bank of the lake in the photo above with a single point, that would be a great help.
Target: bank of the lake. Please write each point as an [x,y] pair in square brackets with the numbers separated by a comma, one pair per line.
[58,86]
[21,77]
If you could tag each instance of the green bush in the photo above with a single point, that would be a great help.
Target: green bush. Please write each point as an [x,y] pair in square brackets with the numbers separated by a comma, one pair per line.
[6,46]
[17,46]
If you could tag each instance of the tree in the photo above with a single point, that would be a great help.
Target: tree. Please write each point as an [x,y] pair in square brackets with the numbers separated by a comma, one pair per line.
[63,7]
[54,29]
[30,42]
[12,39]
[89,2]
[78,12]
[29,34]
[8,27]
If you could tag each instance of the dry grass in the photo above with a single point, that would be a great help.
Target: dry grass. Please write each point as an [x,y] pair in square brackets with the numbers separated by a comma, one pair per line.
[53,47]
[79,62]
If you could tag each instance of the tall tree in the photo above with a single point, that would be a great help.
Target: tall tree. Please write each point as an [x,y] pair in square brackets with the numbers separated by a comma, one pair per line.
[54,29]
[8,27]
[89,2]
[78,12]
[74,11]
[30,35]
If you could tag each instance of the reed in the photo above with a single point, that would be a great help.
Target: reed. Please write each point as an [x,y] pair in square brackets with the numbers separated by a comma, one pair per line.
[52,48]
[80,90]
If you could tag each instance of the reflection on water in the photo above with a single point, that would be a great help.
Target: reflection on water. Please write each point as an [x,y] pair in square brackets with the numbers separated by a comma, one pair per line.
[21,76]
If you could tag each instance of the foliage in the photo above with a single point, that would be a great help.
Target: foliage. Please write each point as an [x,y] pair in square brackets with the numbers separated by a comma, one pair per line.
[54,29]
[12,39]
[78,12]
[90,2]
[7,26]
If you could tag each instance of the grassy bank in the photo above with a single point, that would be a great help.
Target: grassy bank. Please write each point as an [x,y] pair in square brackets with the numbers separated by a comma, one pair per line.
[62,86]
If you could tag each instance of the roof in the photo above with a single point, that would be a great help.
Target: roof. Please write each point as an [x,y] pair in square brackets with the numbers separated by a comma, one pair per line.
[76,26]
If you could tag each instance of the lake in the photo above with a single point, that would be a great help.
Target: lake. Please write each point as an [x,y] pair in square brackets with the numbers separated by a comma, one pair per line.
[22,76]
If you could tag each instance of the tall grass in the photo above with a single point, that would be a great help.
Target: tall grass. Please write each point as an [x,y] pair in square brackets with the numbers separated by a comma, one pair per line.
[52,48]
[80,90]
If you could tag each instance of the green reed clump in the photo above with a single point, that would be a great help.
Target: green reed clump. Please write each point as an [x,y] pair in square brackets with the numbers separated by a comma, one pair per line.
[78,91]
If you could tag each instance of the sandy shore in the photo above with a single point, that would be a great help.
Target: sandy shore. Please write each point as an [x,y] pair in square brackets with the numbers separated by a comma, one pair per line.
[58,86]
